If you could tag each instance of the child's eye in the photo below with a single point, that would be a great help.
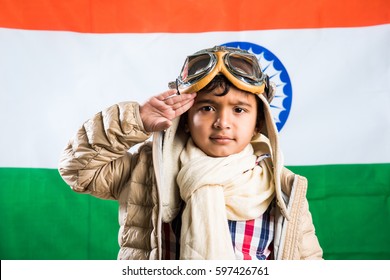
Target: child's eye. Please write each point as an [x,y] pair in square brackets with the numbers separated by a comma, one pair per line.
[207,108]
[239,110]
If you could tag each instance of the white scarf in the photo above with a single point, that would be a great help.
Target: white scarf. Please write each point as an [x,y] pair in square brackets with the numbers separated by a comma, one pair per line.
[216,190]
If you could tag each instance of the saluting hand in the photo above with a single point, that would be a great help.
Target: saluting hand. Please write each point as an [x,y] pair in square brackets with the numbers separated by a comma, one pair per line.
[159,111]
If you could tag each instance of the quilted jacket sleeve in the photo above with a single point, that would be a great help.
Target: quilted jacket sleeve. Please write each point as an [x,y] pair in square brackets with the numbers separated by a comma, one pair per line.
[301,241]
[310,247]
[96,160]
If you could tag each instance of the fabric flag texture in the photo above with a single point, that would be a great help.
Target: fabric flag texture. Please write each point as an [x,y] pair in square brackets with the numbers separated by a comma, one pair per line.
[63,61]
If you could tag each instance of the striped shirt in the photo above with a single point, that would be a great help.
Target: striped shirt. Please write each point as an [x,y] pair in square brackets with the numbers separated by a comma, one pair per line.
[251,239]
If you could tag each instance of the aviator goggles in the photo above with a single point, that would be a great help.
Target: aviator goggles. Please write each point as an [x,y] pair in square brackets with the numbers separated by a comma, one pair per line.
[240,67]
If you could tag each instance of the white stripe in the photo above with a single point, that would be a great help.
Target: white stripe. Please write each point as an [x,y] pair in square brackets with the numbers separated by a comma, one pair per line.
[50,82]
[239,240]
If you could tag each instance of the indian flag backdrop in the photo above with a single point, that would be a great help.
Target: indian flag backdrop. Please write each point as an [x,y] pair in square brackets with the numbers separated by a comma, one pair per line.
[63,61]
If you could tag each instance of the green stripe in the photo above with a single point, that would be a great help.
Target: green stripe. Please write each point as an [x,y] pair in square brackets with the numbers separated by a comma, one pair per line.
[41,218]
[350,205]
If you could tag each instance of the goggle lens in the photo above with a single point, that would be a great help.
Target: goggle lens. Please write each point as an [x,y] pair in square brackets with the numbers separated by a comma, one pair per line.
[244,66]
[196,67]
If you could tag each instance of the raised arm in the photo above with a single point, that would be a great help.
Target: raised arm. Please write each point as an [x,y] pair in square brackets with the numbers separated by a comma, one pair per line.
[96,159]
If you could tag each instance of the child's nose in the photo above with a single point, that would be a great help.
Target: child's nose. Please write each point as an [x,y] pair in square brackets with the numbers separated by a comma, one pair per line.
[222,121]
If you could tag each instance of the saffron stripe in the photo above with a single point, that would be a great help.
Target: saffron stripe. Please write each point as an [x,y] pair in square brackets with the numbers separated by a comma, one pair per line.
[178,16]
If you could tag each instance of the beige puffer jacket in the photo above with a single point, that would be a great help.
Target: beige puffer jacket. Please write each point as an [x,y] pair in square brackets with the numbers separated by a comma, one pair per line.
[97,161]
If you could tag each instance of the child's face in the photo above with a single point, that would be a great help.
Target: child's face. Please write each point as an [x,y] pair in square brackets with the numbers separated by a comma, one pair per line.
[223,125]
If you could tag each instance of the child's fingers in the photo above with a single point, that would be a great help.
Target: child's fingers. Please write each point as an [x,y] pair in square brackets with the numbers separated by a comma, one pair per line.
[166,94]
[184,106]
[176,101]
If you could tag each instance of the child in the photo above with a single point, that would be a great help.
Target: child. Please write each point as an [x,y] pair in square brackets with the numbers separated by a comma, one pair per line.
[211,184]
